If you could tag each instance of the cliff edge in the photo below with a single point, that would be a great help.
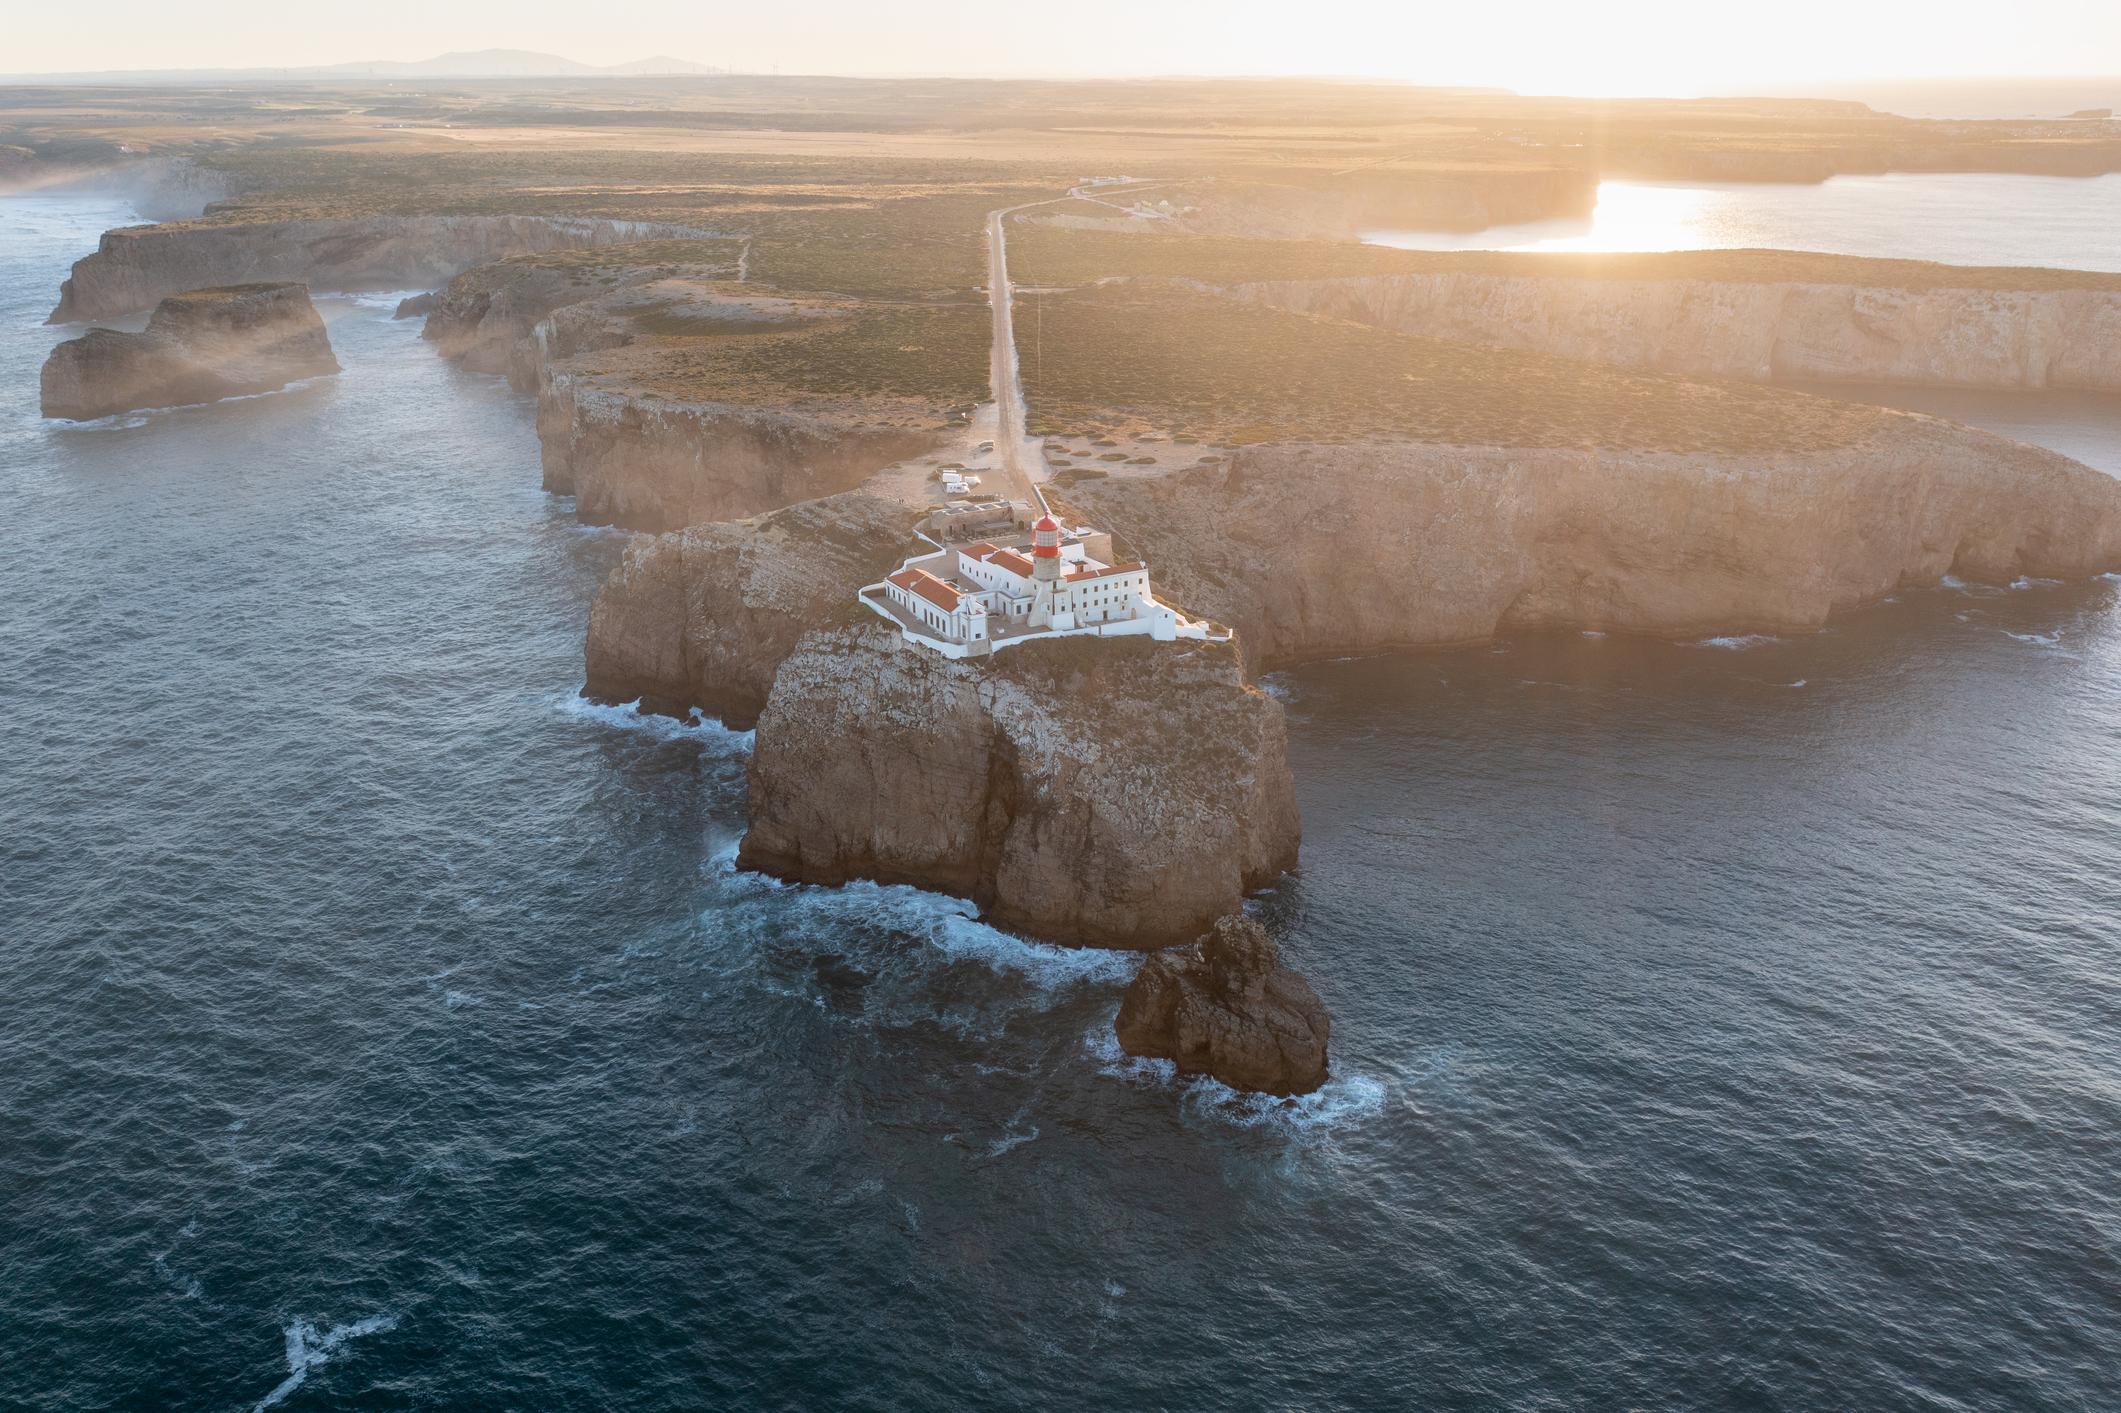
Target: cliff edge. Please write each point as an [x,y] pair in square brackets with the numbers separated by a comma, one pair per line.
[199,346]
[702,618]
[1118,793]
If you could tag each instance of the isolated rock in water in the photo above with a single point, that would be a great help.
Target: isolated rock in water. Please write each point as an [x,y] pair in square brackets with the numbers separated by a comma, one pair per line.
[200,346]
[1227,1008]
[415,306]
[1108,791]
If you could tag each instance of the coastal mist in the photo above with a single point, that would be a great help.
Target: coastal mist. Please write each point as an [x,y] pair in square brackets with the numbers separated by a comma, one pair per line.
[1729,1022]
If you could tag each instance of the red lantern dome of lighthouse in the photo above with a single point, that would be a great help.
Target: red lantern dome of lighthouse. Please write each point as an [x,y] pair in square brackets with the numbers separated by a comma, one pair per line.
[1046,538]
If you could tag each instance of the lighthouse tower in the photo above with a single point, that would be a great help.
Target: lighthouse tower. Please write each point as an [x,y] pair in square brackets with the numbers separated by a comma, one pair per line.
[1050,601]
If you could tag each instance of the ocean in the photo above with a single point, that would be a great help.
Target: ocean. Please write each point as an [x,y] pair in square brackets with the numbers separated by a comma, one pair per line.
[1728,1023]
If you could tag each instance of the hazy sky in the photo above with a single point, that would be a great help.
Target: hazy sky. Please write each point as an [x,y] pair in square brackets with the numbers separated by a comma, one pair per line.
[1552,46]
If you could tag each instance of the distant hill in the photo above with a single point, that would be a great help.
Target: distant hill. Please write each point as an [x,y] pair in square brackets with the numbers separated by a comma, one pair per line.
[473,63]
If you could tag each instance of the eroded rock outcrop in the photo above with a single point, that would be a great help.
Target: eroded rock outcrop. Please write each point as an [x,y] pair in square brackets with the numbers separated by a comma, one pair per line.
[1948,337]
[702,618]
[1315,551]
[136,266]
[1225,1007]
[199,346]
[1106,792]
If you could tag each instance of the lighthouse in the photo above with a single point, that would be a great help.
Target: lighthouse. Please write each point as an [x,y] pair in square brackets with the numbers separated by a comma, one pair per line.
[1050,602]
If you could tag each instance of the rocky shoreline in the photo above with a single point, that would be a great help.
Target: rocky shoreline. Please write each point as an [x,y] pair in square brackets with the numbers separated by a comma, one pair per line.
[1130,794]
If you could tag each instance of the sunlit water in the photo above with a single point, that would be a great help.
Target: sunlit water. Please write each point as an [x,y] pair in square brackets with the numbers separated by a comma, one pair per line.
[1722,1024]
[1961,218]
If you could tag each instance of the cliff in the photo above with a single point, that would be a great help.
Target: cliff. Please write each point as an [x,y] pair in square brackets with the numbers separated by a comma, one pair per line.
[1931,337]
[136,266]
[199,346]
[640,416]
[703,617]
[1226,1007]
[648,462]
[1111,793]
[1319,550]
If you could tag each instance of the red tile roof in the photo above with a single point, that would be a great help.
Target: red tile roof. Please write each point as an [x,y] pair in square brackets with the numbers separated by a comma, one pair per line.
[1010,560]
[1128,568]
[920,581]
[980,550]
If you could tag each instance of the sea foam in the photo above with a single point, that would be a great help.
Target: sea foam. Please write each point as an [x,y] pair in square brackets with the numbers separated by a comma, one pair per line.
[628,716]
[308,1347]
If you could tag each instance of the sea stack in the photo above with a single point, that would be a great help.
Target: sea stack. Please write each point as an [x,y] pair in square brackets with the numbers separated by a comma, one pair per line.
[199,346]
[1108,792]
[1225,1007]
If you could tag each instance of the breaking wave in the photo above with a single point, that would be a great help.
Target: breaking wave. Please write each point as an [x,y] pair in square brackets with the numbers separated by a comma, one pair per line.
[308,1348]
[1342,1099]
[1736,643]
[628,716]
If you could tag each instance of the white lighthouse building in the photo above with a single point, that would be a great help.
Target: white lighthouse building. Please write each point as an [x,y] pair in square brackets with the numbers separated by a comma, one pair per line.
[976,598]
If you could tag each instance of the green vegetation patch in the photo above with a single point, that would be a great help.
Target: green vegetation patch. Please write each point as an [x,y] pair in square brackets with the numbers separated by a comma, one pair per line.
[933,352]
[1131,354]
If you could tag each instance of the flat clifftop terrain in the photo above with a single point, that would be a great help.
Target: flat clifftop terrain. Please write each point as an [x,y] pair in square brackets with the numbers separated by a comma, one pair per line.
[1110,792]
[199,346]
[1214,370]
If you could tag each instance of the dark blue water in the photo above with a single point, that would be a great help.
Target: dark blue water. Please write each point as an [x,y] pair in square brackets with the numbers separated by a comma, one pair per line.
[1718,1025]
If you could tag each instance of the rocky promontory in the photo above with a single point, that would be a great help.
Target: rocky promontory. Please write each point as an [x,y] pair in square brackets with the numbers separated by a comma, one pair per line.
[635,459]
[199,346]
[1110,792]
[1225,1007]
[1319,550]
[136,266]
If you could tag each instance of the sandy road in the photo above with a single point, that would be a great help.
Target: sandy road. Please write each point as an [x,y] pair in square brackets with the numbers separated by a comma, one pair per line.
[1020,460]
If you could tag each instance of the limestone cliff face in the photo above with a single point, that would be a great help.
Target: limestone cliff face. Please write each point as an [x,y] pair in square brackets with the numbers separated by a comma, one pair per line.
[137,266]
[1105,792]
[613,432]
[1966,338]
[198,347]
[647,463]
[703,617]
[1320,550]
